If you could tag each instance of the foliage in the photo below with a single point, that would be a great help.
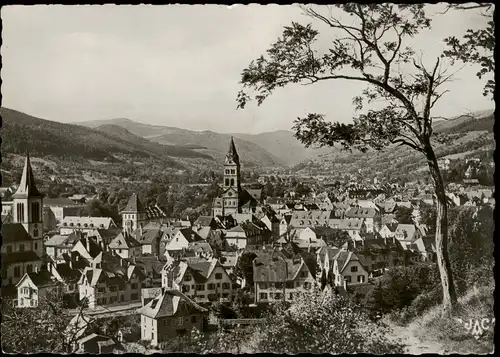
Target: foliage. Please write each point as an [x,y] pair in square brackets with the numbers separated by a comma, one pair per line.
[39,329]
[404,214]
[471,247]
[96,208]
[477,46]
[320,322]
[400,286]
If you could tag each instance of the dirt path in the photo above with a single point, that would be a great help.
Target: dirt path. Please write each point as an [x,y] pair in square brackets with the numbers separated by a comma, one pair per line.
[414,344]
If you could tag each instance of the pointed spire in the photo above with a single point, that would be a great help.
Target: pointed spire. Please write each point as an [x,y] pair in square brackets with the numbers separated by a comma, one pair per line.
[27,187]
[232,153]
[134,204]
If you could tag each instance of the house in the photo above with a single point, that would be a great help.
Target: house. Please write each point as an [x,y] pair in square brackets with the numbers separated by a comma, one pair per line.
[275,202]
[70,224]
[110,280]
[205,221]
[277,277]
[347,268]
[245,233]
[68,273]
[370,216]
[201,249]
[182,238]
[355,227]
[149,239]
[126,245]
[87,247]
[169,315]
[35,286]
[96,344]
[202,280]
[62,207]
[388,230]
[272,223]
[228,261]
[379,253]
[285,223]
[316,218]
[426,246]
[58,244]
[148,294]
[104,235]
[408,232]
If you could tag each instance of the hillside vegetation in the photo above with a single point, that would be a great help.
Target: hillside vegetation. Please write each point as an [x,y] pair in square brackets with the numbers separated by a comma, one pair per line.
[206,142]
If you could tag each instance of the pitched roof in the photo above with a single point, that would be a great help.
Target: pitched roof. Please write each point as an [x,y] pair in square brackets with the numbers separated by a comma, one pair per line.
[133,204]
[57,240]
[42,279]
[190,235]
[360,212]
[204,221]
[200,247]
[168,304]
[346,224]
[87,222]
[14,232]
[148,236]
[19,257]
[408,230]
[232,154]
[272,268]
[124,241]
[27,186]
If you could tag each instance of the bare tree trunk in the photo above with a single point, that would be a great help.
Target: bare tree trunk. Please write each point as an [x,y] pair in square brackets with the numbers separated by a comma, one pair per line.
[443,260]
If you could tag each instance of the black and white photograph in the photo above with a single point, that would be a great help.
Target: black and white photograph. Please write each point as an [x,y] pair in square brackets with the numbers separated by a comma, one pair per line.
[244,179]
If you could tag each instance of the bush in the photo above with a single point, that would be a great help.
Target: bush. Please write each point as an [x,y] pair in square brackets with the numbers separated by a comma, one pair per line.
[322,322]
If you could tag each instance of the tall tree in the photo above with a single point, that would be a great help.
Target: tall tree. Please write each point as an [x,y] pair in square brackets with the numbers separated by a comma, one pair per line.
[369,49]
[477,46]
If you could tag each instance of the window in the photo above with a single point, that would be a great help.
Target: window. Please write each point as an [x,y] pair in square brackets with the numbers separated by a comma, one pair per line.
[112,288]
[278,296]
[20,212]
[17,272]
[21,302]
[226,182]
[227,171]
[348,278]
[200,287]
[29,268]
[226,286]
[188,277]
[361,278]
[36,244]
[35,232]
[101,290]
[290,296]
[233,172]
[134,286]
[193,319]
[218,276]
[232,182]
[304,274]
[278,285]
[307,285]
[211,286]
[263,296]
[289,284]
[185,288]
[354,269]
[21,247]
[9,249]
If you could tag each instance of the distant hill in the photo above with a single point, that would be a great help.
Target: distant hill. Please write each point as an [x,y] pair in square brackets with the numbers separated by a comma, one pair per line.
[464,136]
[282,144]
[169,150]
[206,142]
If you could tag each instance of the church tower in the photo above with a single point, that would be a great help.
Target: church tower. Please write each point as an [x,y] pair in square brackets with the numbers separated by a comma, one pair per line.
[27,207]
[134,214]
[232,180]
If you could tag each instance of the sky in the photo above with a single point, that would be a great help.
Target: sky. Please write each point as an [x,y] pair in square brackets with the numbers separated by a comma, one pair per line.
[180,65]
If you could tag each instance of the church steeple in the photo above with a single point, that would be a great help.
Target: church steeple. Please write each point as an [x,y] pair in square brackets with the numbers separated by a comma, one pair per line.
[27,187]
[232,155]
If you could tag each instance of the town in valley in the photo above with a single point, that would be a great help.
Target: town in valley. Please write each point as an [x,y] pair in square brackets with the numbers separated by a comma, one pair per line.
[120,236]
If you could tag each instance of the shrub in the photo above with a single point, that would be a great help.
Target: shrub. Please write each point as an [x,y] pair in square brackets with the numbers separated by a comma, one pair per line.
[322,322]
